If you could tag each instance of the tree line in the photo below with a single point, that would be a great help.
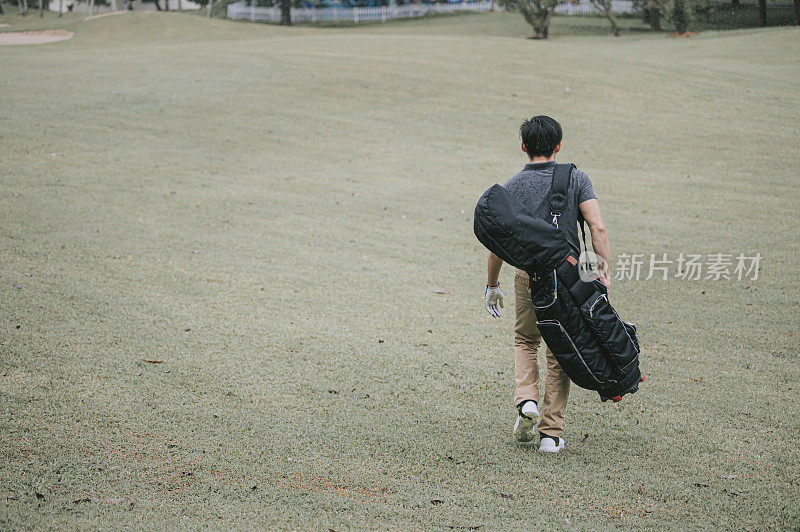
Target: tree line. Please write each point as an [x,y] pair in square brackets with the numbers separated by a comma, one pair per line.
[537,13]
[679,13]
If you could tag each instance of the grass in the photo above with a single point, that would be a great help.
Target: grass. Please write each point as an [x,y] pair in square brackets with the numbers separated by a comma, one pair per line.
[266,213]
[32,21]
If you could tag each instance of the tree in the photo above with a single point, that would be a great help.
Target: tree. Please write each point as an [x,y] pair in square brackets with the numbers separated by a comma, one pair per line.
[41,10]
[679,14]
[604,7]
[286,12]
[797,12]
[762,12]
[653,10]
[537,13]
[208,5]
[23,7]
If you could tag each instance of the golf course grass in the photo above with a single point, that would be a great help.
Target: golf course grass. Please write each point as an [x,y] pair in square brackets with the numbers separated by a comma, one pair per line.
[221,245]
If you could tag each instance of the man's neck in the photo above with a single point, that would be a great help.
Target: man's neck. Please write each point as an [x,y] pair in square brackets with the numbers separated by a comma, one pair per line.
[542,159]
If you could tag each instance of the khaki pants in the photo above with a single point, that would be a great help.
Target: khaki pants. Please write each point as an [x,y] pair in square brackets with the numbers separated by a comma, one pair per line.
[526,346]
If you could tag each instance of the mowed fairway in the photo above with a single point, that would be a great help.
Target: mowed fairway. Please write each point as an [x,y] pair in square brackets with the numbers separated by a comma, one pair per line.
[220,245]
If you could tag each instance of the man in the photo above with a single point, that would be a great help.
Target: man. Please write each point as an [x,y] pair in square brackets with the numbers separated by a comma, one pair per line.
[541,141]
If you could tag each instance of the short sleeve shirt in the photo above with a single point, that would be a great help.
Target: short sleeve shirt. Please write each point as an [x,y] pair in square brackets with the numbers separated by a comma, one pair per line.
[532,187]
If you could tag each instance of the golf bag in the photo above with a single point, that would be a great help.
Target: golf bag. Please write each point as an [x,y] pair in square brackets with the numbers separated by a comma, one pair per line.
[592,344]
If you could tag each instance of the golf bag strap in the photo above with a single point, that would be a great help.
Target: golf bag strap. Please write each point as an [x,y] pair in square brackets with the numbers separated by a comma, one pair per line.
[583,230]
[581,291]
[558,190]
[558,196]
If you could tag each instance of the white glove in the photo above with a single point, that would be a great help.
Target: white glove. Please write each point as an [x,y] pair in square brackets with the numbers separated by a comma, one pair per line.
[492,298]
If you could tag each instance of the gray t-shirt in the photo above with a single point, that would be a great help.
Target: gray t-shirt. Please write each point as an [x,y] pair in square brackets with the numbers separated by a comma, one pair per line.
[532,187]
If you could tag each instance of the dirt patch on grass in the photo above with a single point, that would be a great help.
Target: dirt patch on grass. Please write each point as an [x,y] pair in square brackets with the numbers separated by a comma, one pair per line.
[684,34]
[101,15]
[3,25]
[13,38]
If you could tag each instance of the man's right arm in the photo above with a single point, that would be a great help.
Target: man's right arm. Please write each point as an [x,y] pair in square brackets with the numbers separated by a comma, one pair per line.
[590,209]
[493,265]
[493,297]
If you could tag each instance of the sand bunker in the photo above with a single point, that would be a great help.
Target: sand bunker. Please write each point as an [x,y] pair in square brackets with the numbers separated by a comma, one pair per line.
[11,38]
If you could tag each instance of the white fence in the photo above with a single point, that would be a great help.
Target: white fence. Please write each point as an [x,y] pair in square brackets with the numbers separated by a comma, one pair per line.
[114,6]
[241,11]
[585,8]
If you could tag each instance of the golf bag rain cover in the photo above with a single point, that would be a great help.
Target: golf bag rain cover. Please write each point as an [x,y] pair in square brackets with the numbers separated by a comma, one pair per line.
[592,344]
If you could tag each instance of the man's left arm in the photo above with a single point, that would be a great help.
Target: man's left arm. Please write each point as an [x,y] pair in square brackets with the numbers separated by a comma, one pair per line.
[590,209]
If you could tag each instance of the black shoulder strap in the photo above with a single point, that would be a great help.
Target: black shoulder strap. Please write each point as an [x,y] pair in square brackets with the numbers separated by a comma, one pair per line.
[558,195]
[558,190]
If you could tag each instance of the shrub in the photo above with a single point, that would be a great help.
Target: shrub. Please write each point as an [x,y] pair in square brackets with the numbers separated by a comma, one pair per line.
[679,15]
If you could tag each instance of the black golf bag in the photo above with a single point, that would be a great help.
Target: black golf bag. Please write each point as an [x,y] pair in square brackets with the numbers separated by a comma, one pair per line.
[592,344]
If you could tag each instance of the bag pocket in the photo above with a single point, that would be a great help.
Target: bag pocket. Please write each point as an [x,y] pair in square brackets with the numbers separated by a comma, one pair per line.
[544,292]
[617,337]
[567,354]
[632,333]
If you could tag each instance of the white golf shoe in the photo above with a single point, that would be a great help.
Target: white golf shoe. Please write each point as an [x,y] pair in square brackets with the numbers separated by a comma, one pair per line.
[526,421]
[551,444]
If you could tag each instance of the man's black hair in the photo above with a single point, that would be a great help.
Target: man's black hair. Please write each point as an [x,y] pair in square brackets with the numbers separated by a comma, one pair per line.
[540,135]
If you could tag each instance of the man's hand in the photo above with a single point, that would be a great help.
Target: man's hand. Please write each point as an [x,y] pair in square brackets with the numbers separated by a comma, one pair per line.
[605,278]
[492,298]
[604,273]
